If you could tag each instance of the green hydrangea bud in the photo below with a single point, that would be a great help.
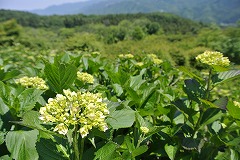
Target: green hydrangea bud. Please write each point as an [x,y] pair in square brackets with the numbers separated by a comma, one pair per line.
[126,56]
[155,59]
[85,77]
[34,82]
[212,58]
[145,130]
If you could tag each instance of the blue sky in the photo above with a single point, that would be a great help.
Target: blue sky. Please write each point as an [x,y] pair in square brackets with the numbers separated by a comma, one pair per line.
[31,4]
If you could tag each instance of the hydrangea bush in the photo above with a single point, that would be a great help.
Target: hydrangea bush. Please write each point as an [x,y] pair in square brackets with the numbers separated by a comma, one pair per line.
[136,108]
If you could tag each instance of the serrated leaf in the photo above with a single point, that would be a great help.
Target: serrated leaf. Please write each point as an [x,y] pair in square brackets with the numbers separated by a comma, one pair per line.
[31,119]
[225,76]
[60,76]
[27,99]
[48,150]
[190,143]
[21,144]
[121,118]
[171,151]
[107,152]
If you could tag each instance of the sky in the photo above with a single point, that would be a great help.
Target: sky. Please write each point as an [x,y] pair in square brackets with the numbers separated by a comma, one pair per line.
[31,4]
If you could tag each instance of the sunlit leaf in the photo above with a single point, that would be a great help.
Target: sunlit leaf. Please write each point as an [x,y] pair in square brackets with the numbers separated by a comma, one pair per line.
[22,144]
[121,118]
[108,151]
[60,76]
[171,151]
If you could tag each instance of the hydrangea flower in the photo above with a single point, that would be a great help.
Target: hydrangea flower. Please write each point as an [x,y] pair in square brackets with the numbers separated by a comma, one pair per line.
[75,108]
[236,104]
[155,59]
[139,64]
[145,130]
[126,56]
[85,77]
[213,58]
[34,82]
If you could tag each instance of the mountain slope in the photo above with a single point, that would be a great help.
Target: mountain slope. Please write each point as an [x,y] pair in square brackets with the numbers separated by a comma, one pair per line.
[219,11]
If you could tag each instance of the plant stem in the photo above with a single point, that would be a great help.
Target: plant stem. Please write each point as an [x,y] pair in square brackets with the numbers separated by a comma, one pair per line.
[82,148]
[75,143]
[208,84]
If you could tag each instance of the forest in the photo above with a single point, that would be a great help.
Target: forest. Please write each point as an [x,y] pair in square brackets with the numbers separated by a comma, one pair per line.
[118,86]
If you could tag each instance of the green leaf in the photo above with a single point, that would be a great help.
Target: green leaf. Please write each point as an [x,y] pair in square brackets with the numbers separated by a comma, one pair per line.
[21,144]
[4,108]
[49,150]
[121,118]
[136,82]
[221,102]
[171,151]
[31,119]
[233,110]
[140,150]
[210,115]
[192,75]
[60,76]
[190,143]
[2,137]
[5,157]
[216,126]
[118,89]
[234,154]
[4,92]
[225,76]
[28,99]
[4,76]
[193,89]
[234,142]
[107,152]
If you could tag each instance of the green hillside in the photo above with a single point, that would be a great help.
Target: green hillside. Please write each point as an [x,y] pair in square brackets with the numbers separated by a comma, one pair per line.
[217,11]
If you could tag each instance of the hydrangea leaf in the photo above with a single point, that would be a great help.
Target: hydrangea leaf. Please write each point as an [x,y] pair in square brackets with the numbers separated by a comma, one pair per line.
[21,144]
[108,151]
[28,99]
[60,76]
[49,150]
[121,118]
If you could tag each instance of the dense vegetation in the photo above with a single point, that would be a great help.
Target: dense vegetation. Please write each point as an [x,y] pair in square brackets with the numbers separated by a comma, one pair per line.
[216,11]
[151,97]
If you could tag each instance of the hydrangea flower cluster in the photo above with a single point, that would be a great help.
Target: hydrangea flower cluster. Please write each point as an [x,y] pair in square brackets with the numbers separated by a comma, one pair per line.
[75,108]
[34,82]
[155,59]
[236,104]
[213,58]
[126,56]
[139,64]
[85,77]
[145,130]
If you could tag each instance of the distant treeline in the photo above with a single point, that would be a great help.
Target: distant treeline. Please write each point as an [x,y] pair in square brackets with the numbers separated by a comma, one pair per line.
[168,22]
